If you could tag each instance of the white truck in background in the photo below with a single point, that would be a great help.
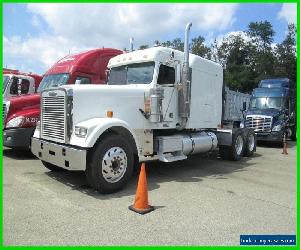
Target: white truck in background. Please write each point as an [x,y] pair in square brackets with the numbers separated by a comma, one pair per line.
[159,104]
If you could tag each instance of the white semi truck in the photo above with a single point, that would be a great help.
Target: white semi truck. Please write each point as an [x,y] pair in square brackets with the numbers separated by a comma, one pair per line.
[159,104]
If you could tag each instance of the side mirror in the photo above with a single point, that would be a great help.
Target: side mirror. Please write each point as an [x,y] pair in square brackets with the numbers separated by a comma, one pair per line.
[19,87]
[244,106]
[107,74]
[286,112]
[178,72]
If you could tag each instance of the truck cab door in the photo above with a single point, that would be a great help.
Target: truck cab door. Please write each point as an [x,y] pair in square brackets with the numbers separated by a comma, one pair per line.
[167,80]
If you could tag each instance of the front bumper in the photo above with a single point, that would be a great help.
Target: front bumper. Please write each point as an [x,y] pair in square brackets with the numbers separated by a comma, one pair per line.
[17,137]
[271,136]
[60,155]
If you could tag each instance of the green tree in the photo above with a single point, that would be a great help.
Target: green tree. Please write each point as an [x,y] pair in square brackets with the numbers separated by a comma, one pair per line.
[286,55]
[234,53]
[263,58]
[199,48]
[144,46]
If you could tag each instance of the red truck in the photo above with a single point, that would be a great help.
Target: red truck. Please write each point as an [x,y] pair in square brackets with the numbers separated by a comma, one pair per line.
[16,83]
[20,114]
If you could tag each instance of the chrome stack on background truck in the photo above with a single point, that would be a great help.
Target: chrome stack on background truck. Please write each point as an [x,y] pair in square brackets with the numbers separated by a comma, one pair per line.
[159,104]
[272,110]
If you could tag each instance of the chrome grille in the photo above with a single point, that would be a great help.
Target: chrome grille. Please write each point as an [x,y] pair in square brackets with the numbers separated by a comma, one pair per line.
[3,112]
[53,116]
[259,123]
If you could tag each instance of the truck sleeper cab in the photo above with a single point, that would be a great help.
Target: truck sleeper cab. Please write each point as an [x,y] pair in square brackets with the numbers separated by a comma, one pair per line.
[156,106]
[20,114]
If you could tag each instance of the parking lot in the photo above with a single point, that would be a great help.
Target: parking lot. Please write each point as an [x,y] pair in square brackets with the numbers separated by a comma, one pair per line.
[201,201]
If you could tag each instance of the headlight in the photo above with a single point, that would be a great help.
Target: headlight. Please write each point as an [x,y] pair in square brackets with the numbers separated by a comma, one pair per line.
[242,125]
[15,122]
[277,128]
[80,131]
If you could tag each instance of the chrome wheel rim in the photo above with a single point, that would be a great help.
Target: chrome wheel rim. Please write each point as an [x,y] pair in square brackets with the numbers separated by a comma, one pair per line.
[239,145]
[114,164]
[251,142]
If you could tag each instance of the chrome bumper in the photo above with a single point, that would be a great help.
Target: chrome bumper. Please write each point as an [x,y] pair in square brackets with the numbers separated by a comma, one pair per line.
[59,155]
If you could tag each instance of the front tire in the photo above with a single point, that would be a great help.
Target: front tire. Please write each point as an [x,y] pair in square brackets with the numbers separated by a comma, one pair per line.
[110,164]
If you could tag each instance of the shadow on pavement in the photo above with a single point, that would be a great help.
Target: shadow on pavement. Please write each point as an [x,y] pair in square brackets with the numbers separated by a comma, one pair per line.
[266,144]
[192,170]
[18,154]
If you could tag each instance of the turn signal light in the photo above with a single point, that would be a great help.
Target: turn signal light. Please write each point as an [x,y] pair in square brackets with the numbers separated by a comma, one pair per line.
[109,114]
[147,107]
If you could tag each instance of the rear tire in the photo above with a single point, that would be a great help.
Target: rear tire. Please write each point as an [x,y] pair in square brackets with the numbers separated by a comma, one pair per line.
[250,143]
[110,164]
[235,151]
[52,167]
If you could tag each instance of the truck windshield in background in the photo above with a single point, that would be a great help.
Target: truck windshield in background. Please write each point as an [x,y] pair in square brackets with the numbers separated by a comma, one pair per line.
[5,82]
[266,103]
[137,73]
[274,83]
[52,81]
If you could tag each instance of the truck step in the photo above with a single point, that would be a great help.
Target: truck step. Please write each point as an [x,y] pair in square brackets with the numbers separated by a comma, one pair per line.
[171,158]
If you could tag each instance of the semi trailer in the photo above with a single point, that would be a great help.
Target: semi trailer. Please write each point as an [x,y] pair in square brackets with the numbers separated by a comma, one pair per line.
[159,104]
[272,110]
[16,83]
[20,114]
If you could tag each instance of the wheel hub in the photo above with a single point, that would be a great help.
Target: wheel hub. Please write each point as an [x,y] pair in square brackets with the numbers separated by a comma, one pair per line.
[114,164]
[239,145]
[251,142]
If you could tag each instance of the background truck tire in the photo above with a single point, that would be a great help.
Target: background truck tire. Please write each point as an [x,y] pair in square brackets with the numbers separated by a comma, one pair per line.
[250,143]
[52,167]
[235,151]
[110,164]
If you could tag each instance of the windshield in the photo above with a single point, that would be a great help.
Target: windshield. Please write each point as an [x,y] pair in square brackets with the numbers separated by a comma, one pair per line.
[266,103]
[5,82]
[52,81]
[137,73]
[275,83]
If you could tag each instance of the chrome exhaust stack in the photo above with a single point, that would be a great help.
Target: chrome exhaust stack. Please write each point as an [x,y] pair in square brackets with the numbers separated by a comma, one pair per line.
[184,90]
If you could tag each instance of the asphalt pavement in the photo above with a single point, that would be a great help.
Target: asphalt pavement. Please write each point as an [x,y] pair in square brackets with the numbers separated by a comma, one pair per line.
[200,201]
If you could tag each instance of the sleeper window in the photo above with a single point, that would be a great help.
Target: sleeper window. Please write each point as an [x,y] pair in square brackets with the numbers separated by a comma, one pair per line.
[166,75]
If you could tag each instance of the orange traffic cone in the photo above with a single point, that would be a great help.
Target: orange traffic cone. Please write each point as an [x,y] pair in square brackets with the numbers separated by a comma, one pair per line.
[284,150]
[141,204]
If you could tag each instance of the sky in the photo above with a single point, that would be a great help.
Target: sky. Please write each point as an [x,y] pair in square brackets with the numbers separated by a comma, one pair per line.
[35,36]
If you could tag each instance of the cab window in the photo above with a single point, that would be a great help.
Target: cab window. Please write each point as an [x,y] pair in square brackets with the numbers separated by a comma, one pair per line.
[25,86]
[166,75]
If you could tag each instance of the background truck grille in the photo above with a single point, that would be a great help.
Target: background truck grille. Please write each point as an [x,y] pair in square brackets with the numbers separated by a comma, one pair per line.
[259,123]
[53,117]
[4,112]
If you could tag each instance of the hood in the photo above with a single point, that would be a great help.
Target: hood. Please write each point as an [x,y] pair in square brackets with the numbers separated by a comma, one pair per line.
[125,101]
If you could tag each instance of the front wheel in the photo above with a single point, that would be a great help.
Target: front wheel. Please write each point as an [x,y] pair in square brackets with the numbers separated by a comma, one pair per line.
[110,165]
